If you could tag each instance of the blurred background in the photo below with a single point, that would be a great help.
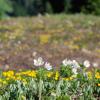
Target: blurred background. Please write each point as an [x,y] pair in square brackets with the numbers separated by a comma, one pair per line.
[52,29]
[34,7]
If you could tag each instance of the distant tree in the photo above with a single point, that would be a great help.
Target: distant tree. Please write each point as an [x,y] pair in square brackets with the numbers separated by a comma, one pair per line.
[77,5]
[92,7]
[85,6]
[34,7]
[27,7]
[67,6]
[5,7]
[57,5]
[20,7]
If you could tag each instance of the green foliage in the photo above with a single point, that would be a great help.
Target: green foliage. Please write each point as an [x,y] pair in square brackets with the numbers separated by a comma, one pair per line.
[49,8]
[33,7]
[66,71]
[5,7]
[37,88]
[63,97]
[92,6]
[67,6]
[27,7]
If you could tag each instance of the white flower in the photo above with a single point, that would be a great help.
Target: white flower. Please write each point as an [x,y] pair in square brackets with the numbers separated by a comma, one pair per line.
[48,66]
[74,70]
[38,62]
[75,64]
[86,63]
[95,64]
[66,62]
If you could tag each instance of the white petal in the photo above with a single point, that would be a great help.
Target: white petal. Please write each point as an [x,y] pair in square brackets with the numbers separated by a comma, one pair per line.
[95,64]
[86,63]
[38,62]
[74,70]
[48,66]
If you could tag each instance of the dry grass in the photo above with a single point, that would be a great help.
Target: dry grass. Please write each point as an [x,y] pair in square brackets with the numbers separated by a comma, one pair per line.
[52,37]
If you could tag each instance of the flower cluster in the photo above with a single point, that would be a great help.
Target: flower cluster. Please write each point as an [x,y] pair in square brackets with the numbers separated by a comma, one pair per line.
[73,64]
[45,82]
[40,62]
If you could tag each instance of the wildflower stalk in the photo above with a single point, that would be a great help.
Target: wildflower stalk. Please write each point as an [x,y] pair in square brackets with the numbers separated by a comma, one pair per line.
[40,88]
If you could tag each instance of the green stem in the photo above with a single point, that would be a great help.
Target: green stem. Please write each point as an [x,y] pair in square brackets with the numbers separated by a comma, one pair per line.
[40,89]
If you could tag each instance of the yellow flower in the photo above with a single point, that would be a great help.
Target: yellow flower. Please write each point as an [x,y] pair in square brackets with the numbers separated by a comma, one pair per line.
[18,74]
[27,73]
[10,78]
[98,84]
[8,74]
[4,82]
[7,78]
[97,75]
[18,78]
[56,75]
[32,74]
[49,74]
[70,78]
[23,97]
[44,38]
[5,74]
[65,78]
[89,75]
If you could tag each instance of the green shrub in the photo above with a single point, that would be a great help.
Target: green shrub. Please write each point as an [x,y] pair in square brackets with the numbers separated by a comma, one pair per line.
[5,7]
[92,6]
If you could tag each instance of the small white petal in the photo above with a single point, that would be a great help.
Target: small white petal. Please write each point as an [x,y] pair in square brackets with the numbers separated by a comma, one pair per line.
[38,62]
[48,66]
[64,62]
[74,70]
[75,64]
[95,64]
[86,63]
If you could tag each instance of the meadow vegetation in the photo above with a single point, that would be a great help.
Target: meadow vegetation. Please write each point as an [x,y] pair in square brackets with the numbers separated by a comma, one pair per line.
[32,50]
